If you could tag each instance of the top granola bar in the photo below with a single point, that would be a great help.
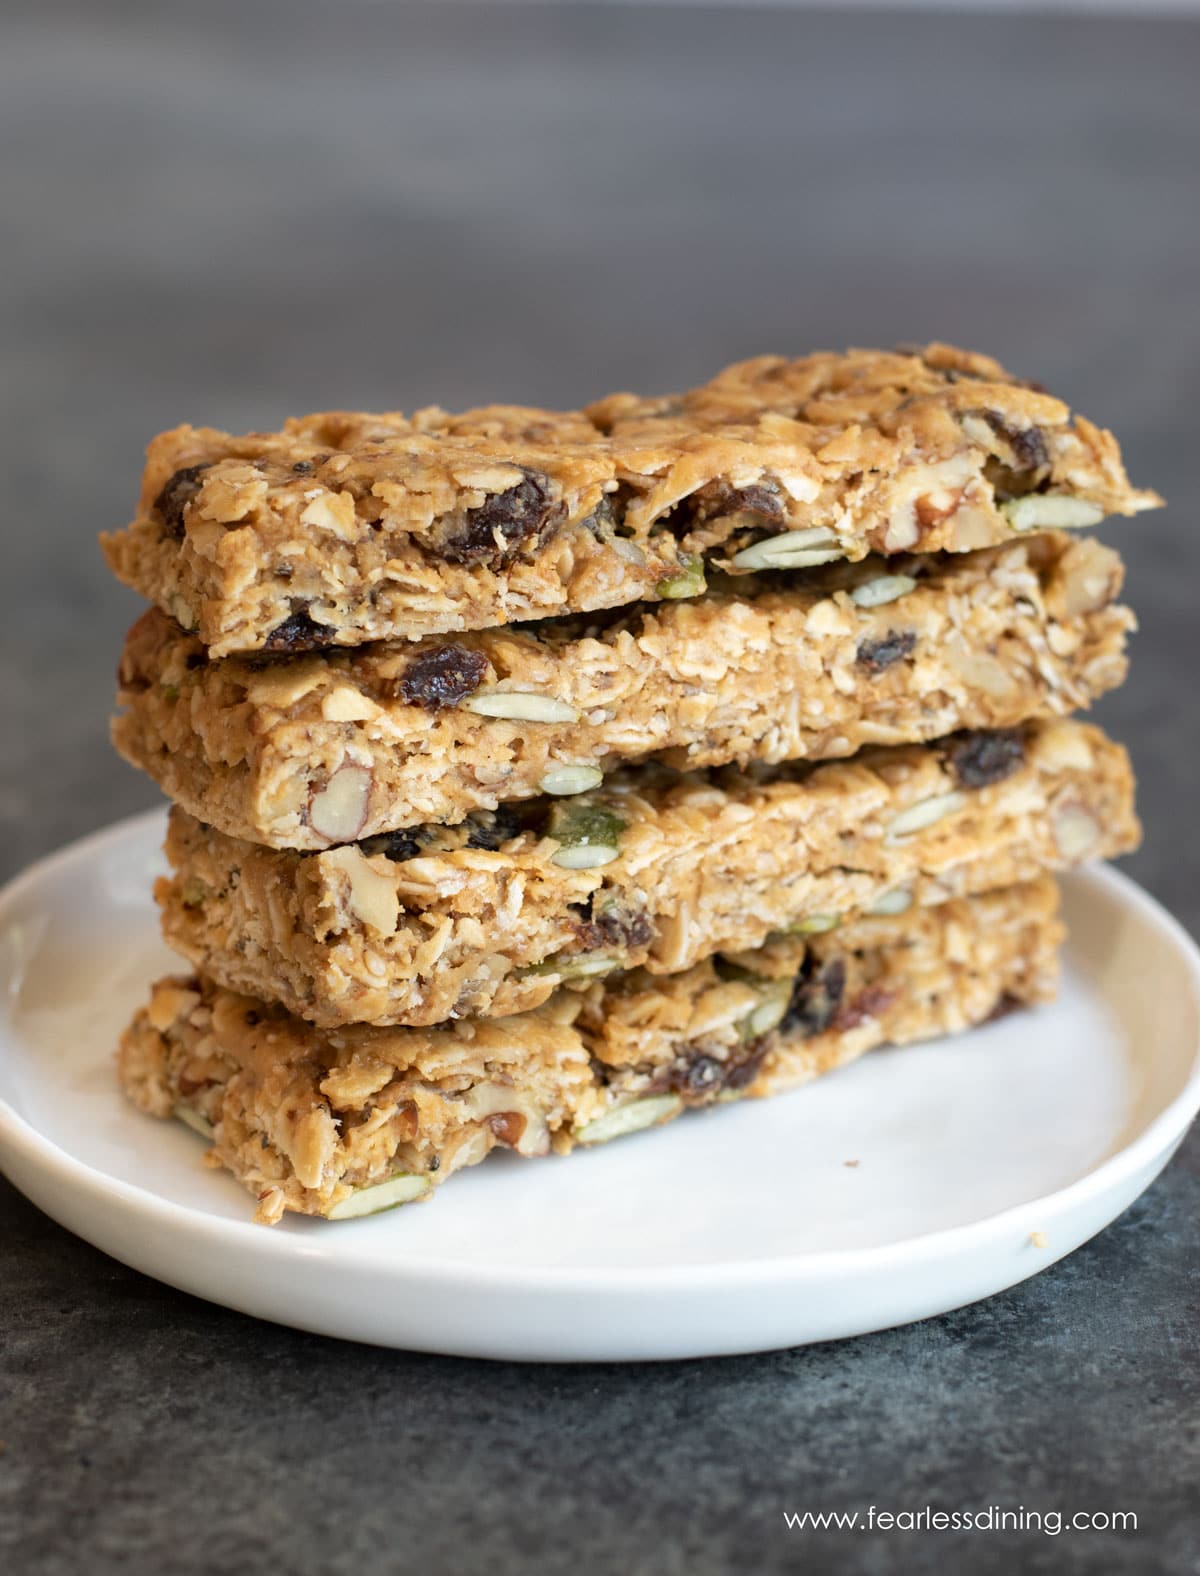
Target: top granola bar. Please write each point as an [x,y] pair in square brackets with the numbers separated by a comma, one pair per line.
[345,528]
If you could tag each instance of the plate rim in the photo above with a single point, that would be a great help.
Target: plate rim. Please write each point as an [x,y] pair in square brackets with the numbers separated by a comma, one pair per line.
[1158,1139]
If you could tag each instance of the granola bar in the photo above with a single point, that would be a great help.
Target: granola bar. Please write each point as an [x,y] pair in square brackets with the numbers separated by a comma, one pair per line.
[311,751]
[347,527]
[346,1122]
[468,921]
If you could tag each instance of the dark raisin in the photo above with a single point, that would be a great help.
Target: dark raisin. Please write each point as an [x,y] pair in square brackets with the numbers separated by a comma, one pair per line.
[436,1163]
[298,633]
[816,998]
[1028,444]
[175,496]
[397,846]
[876,655]
[745,1071]
[614,926]
[303,467]
[705,1075]
[980,759]
[504,524]
[491,829]
[441,677]
[868,1003]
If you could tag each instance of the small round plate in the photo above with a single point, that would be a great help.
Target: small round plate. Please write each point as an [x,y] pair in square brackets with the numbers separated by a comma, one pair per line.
[910,1183]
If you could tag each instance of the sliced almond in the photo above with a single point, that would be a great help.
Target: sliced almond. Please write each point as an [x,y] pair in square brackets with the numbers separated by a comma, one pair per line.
[193,1119]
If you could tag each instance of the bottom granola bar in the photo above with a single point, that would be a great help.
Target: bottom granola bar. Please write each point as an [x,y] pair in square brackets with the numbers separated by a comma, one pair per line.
[347,1122]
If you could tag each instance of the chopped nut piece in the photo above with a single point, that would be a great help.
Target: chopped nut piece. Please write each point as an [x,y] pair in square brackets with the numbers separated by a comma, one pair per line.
[626,1119]
[339,811]
[571,779]
[520,706]
[488,1100]
[1076,834]
[1050,512]
[401,1189]
[918,816]
[372,896]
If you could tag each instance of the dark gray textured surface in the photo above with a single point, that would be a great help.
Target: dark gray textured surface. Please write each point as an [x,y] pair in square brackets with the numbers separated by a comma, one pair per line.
[234,211]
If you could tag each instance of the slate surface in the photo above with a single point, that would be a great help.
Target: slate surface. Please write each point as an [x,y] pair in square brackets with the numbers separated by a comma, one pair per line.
[235,211]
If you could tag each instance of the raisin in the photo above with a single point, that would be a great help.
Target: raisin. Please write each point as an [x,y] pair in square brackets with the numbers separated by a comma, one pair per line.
[504,524]
[1028,444]
[396,846]
[303,467]
[298,633]
[876,655]
[441,677]
[175,496]
[981,758]
[491,829]
[816,998]
[705,1075]
[614,926]
[868,1003]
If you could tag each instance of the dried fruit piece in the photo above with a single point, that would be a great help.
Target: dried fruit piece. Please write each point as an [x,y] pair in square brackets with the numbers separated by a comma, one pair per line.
[1050,512]
[571,779]
[501,527]
[881,590]
[520,706]
[981,758]
[298,633]
[174,497]
[815,998]
[791,550]
[924,813]
[632,1118]
[339,811]
[403,1188]
[442,677]
[590,835]
[876,655]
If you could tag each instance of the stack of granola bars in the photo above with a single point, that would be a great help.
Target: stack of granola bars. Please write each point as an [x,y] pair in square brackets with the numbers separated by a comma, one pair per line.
[538,776]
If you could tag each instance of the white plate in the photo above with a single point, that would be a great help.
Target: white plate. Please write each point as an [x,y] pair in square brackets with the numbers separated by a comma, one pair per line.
[979,1160]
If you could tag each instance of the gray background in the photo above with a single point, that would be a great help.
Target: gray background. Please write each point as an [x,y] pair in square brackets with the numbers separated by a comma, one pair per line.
[232,211]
